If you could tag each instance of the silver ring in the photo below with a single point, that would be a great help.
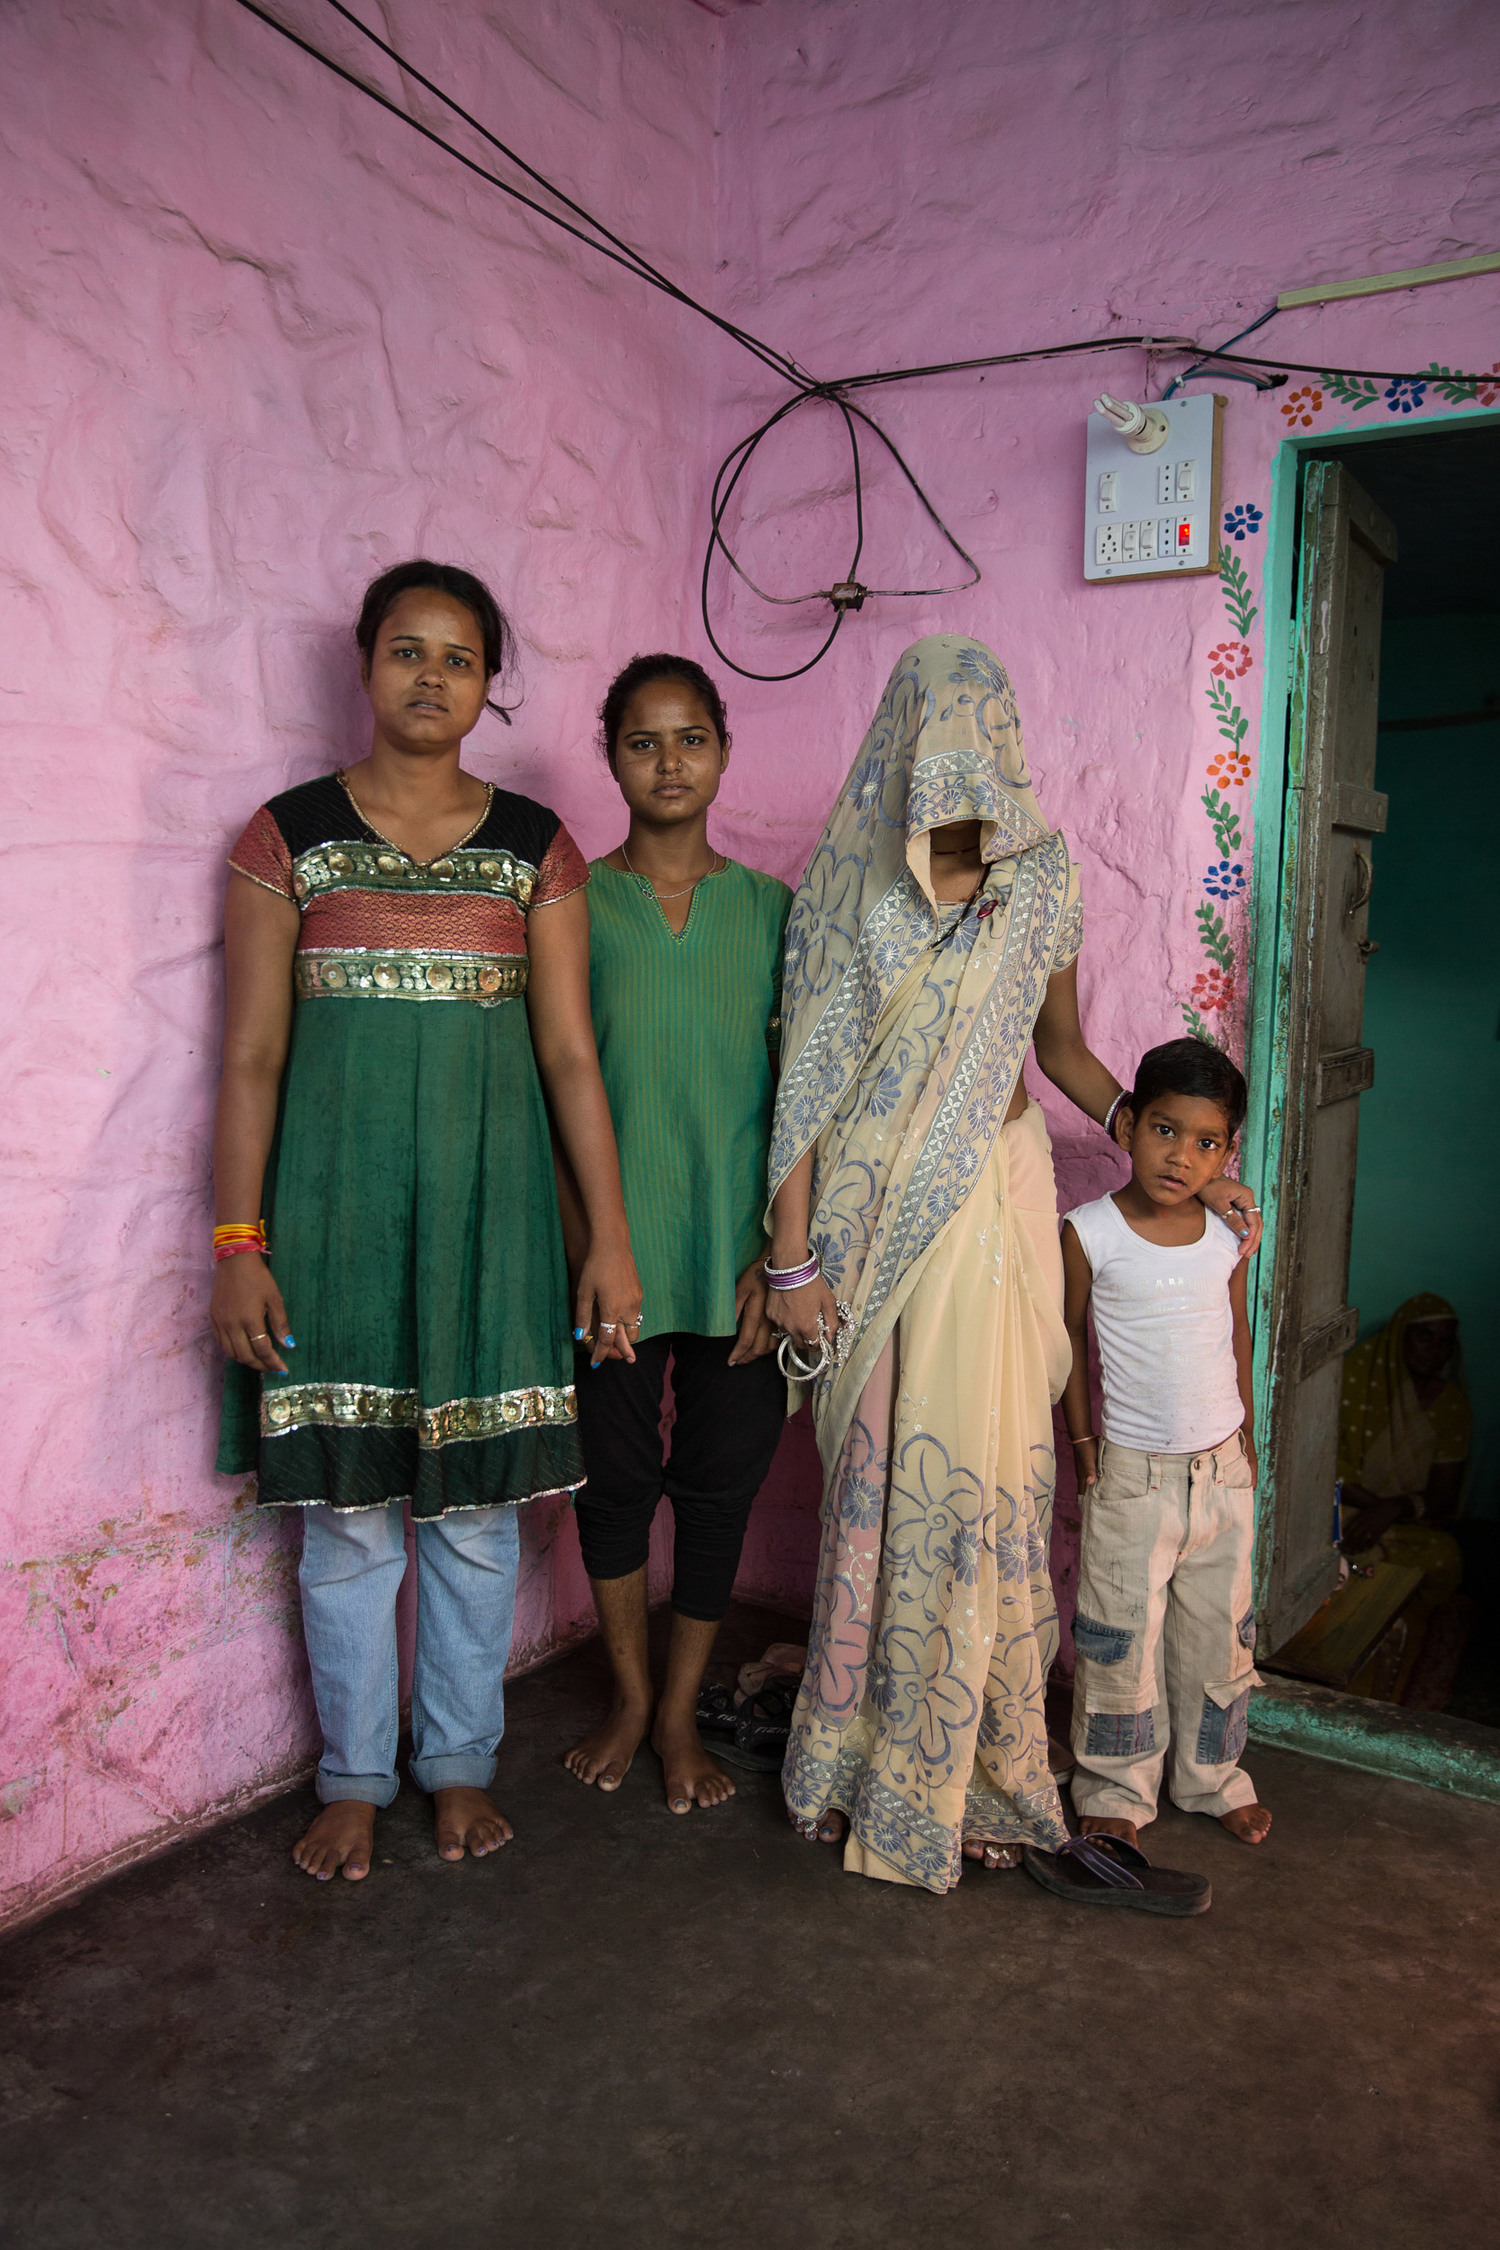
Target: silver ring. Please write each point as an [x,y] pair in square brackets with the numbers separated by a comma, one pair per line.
[261,1338]
[608,1327]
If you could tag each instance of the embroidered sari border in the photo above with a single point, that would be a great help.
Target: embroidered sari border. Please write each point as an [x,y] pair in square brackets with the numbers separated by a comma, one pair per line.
[369,1406]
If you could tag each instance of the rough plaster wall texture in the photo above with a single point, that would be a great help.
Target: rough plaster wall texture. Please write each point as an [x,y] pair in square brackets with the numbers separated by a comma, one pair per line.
[901,185]
[261,341]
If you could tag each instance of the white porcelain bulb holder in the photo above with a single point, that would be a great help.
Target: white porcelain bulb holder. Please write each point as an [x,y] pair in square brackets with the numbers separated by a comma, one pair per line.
[1144,428]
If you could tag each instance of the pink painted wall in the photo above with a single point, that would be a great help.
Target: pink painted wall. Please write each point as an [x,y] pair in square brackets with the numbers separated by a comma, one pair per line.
[260,341]
[900,185]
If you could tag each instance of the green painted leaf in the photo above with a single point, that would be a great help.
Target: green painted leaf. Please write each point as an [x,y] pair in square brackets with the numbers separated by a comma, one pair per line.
[1456,389]
[1357,391]
[1226,822]
[1215,938]
[1197,1028]
[1238,607]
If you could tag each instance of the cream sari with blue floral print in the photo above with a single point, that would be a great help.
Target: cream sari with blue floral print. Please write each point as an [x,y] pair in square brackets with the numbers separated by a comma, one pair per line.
[905,1026]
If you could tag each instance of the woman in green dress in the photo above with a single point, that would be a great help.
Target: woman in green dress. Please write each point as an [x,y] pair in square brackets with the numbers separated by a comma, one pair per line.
[383,1127]
[686,982]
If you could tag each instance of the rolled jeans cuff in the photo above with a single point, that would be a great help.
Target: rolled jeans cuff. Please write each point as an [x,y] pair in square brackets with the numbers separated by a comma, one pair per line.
[470,1771]
[376,1789]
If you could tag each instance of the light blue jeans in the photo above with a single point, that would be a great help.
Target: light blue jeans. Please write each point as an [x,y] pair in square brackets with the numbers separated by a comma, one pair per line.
[351,1570]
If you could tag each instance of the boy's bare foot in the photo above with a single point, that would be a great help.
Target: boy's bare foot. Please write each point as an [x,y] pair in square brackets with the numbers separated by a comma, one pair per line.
[342,1837]
[604,1757]
[1249,1823]
[467,1821]
[993,1855]
[830,1827]
[1124,1829]
[693,1777]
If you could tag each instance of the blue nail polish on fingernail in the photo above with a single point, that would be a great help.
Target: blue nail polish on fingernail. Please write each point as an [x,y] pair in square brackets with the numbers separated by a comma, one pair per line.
[578,1335]
[289,1343]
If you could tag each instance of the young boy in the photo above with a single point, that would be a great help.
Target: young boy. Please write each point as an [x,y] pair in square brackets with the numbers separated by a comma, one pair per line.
[1165,1627]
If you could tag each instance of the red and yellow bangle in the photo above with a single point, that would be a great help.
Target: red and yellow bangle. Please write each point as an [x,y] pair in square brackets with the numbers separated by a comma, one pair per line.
[229,1241]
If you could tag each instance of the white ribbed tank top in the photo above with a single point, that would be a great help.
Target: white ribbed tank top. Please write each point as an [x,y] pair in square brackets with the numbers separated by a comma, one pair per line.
[1166,1332]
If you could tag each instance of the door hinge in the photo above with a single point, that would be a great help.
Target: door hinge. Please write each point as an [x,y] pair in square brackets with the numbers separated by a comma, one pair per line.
[1350,1071]
[1330,1340]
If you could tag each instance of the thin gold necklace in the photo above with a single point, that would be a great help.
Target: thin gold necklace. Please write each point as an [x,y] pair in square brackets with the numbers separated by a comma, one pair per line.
[650,888]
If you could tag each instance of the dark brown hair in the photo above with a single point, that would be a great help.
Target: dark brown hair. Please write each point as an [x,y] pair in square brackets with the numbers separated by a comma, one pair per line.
[1193,1067]
[383,593]
[639,672]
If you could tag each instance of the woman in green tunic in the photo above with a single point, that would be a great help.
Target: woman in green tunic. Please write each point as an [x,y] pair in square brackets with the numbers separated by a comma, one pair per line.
[686,982]
[382,1126]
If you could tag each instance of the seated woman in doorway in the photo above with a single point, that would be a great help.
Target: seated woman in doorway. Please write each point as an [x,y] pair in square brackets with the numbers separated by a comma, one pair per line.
[382,1141]
[1403,1424]
[935,936]
[1404,1433]
[686,978]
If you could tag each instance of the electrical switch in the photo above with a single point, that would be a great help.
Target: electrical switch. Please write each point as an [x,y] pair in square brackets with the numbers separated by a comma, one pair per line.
[1152,517]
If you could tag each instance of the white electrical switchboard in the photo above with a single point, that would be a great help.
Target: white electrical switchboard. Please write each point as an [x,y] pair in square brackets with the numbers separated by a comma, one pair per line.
[1155,515]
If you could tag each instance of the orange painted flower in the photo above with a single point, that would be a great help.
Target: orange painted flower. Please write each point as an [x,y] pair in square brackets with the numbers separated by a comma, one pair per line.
[1228,768]
[1299,407]
[1231,660]
[1213,991]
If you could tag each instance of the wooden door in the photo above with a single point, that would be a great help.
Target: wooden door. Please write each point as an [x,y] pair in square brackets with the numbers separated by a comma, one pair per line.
[1332,812]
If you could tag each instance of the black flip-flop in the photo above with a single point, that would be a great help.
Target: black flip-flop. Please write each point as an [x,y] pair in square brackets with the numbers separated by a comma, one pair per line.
[763,1722]
[1103,1870]
[717,1711]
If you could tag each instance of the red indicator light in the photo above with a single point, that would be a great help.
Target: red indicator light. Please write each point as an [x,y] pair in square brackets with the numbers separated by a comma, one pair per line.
[1184,535]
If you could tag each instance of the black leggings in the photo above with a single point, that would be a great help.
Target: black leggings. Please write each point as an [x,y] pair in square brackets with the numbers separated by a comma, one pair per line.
[728,1422]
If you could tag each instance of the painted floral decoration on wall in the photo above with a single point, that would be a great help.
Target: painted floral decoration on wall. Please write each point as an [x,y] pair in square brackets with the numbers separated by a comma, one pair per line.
[1228,772]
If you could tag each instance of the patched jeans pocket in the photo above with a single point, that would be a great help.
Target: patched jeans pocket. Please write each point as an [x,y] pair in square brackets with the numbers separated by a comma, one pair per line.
[1225,1721]
[1102,1644]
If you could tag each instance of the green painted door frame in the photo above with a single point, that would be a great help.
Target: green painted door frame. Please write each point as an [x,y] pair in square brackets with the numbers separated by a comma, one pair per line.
[1277,1715]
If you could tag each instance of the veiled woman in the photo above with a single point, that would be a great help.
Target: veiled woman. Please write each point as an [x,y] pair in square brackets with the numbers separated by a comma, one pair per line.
[933,939]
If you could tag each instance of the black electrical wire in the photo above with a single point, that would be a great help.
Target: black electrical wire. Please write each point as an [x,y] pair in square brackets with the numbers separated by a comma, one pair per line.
[630,261]
[847,594]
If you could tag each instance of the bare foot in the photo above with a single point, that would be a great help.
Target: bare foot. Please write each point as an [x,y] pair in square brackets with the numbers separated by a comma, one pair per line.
[466,1820]
[1124,1829]
[604,1756]
[830,1827]
[693,1777]
[1250,1823]
[342,1836]
[993,1855]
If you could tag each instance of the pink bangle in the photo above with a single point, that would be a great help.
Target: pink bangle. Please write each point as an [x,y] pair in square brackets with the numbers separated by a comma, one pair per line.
[233,1249]
[792,1277]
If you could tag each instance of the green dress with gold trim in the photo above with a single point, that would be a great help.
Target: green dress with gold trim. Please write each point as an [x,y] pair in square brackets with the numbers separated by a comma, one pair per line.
[410,1201]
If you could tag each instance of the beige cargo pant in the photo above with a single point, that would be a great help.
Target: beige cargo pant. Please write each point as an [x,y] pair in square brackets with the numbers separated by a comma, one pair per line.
[1165,1633]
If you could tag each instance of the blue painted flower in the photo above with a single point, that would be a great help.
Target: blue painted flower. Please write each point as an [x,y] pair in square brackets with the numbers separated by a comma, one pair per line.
[1224,880]
[1404,394]
[1239,521]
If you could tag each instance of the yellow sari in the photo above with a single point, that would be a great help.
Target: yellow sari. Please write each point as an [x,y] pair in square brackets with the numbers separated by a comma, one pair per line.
[905,1026]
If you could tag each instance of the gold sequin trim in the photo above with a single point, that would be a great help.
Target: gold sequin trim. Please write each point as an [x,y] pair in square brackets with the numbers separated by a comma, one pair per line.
[369,867]
[363,973]
[363,1406]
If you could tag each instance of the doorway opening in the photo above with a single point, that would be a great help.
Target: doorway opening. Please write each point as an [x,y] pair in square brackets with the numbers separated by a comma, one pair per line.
[1378,1041]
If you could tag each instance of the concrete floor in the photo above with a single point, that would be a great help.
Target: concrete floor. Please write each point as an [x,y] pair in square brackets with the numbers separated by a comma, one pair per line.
[630,2029]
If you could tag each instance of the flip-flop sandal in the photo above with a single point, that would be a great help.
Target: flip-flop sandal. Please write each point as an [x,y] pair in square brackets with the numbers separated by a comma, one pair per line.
[717,1711]
[763,1723]
[765,1719]
[1103,1870]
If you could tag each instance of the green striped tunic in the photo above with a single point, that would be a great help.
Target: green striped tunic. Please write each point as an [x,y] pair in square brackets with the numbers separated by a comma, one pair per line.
[688,1029]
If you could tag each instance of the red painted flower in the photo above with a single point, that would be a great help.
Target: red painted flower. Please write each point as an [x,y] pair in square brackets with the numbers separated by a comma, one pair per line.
[1229,661]
[1489,388]
[1299,407]
[1228,768]
[1213,991]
